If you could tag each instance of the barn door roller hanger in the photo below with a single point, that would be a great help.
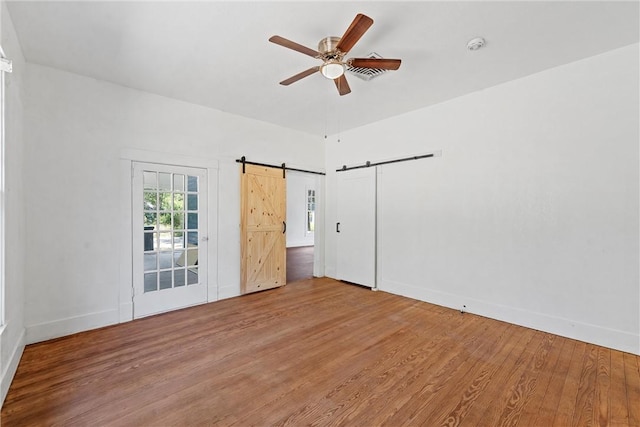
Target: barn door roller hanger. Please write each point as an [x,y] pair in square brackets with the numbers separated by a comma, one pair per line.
[386,162]
[283,166]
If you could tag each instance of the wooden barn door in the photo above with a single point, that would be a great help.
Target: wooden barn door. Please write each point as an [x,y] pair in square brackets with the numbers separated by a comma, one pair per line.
[262,226]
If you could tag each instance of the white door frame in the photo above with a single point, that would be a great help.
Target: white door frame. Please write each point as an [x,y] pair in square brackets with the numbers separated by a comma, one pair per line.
[2,197]
[125,222]
[318,235]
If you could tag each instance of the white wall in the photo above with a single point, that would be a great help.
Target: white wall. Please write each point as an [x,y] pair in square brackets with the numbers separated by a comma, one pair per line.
[77,129]
[530,215]
[12,332]
[297,185]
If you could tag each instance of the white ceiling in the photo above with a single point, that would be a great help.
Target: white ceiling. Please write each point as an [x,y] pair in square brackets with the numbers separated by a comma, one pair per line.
[217,53]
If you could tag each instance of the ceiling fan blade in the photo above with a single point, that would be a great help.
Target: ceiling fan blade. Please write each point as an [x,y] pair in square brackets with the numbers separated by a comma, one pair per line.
[294,46]
[299,76]
[342,85]
[358,27]
[379,63]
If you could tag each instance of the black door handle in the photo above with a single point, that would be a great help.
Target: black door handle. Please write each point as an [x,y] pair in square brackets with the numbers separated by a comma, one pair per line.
[337,227]
[284,227]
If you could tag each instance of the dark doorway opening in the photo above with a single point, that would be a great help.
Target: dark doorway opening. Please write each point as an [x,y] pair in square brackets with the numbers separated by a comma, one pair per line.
[299,263]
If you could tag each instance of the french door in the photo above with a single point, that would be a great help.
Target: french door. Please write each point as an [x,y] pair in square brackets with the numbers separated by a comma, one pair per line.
[169,237]
[356,226]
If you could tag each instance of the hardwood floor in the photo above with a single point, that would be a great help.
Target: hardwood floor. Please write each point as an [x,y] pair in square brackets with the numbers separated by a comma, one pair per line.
[299,263]
[322,353]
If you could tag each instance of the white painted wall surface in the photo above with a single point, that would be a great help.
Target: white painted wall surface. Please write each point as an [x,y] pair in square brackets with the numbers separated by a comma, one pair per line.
[531,214]
[12,332]
[297,185]
[76,131]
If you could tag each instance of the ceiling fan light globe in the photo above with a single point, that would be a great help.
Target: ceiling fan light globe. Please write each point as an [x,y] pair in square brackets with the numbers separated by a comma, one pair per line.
[332,70]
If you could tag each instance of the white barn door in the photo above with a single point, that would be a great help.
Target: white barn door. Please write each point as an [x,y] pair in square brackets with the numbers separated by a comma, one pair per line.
[356,226]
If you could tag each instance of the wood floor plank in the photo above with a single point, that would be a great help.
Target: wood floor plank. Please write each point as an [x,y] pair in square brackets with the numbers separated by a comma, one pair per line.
[525,389]
[477,382]
[567,398]
[321,352]
[499,411]
[583,408]
[534,412]
[632,378]
[602,398]
[551,397]
[419,409]
[509,355]
[618,413]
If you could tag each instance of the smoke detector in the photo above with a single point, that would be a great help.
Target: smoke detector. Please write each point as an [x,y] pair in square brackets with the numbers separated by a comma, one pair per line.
[476,43]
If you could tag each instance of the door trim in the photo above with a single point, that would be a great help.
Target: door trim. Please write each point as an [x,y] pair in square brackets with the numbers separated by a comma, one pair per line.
[125,222]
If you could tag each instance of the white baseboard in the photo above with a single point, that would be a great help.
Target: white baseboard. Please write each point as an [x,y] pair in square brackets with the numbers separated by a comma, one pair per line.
[228,292]
[126,312]
[594,334]
[11,367]
[330,273]
[212,292]
[71,325]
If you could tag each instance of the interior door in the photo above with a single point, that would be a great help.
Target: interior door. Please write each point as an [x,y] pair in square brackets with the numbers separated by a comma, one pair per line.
[170,239]
[263,227]
[356,226]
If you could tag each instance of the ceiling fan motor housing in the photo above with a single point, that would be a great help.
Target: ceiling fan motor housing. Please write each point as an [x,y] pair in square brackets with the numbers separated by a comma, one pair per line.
[333,66]
[327,45]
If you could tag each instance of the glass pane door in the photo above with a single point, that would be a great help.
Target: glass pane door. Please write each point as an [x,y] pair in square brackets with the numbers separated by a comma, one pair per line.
[171,211]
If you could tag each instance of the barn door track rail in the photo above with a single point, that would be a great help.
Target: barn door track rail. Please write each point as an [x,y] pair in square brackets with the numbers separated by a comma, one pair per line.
[284,167]
[369,164]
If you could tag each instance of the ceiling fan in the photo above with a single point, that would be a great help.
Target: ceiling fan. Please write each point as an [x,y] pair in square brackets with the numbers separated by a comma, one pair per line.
[332,50]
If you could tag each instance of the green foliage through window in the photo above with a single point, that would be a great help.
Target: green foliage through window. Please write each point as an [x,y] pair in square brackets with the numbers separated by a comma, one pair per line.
[161,205]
